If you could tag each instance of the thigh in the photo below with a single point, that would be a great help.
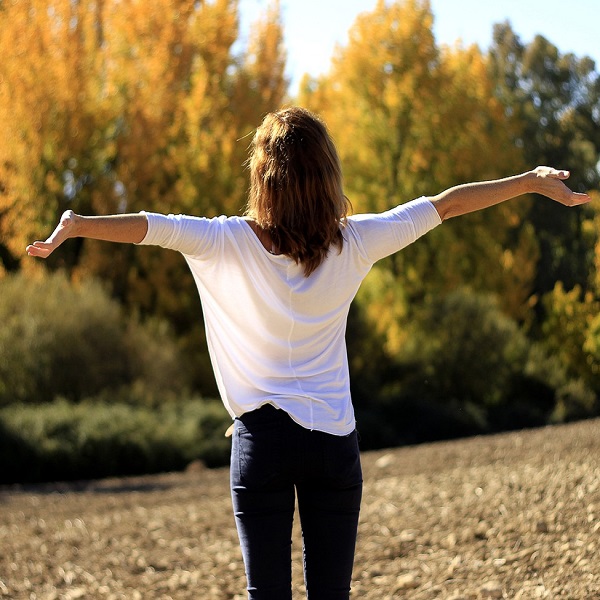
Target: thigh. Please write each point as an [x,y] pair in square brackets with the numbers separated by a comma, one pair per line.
[329,506]
[263,504]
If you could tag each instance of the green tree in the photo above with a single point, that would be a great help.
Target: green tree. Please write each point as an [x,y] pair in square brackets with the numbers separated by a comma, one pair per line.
[468,350]
[555,100]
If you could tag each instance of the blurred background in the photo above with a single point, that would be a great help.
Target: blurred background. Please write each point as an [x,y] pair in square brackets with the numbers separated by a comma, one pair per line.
[313,29]
[488,323]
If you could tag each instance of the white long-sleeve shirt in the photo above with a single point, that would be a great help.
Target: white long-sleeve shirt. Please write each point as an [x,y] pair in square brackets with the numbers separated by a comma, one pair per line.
[274,335]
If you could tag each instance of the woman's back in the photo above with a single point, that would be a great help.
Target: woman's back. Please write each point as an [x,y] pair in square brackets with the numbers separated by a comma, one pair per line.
[276,335]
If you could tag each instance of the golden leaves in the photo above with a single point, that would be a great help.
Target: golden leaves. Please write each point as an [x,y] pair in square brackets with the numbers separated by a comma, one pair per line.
[123,104]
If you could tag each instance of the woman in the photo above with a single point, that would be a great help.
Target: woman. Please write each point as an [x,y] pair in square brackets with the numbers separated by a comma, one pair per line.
[276,286]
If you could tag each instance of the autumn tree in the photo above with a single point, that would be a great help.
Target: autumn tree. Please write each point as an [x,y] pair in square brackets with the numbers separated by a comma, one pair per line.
[49,114]
[260,84]
[119,106]
[166,74]
[410,119]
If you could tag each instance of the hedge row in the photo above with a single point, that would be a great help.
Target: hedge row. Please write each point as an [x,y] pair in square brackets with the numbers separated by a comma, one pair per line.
[65,441]
[61,339]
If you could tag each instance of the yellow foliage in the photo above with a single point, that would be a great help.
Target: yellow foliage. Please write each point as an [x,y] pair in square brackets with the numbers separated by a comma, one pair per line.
[385,306]
[46,107]
[122,105]
[592,229]
[572,331]
[378,85]
[411,119]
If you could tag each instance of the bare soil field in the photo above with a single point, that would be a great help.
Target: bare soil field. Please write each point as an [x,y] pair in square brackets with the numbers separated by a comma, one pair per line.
[513,516]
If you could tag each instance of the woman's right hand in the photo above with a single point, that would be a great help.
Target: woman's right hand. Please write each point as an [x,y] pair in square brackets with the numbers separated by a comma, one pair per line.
[65,229]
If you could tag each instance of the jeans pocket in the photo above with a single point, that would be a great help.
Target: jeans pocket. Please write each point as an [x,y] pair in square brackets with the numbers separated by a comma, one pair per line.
[342,457]
[257,455]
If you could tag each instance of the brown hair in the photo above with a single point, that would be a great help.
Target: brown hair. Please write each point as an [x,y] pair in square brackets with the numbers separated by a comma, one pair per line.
[296,190]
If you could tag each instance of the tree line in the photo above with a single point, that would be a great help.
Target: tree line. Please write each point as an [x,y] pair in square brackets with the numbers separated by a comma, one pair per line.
[488,322]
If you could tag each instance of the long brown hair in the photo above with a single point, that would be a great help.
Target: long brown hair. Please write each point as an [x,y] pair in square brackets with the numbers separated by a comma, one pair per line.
[296,190]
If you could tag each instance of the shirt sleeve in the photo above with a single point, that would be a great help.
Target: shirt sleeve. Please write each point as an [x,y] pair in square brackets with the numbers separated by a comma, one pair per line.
[192,236]
[384,233]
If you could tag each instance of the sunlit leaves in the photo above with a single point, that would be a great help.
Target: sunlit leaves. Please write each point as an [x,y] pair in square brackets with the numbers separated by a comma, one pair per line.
[122,105]
[412,118]
[47,90]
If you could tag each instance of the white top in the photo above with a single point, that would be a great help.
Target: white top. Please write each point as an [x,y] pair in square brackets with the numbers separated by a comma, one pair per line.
[274,335]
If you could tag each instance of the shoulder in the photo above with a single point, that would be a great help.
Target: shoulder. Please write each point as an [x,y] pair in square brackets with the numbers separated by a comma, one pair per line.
[190,235]
[419,212]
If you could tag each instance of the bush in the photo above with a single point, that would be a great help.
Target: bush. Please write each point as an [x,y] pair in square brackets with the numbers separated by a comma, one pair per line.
[468,350]
[571,332]
[467,369]
[89,440]
[458,361]
[58,339]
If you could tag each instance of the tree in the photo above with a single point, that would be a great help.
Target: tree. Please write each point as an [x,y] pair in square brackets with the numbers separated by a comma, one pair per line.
[120,106]
[48,115]
[411,119]
[374,98]
[260,84]
[555,99]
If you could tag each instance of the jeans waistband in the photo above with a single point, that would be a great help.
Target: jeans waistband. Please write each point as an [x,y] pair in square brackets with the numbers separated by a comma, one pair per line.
[266,412]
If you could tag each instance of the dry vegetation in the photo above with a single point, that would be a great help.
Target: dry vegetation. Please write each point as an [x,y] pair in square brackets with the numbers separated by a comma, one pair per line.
[509,516]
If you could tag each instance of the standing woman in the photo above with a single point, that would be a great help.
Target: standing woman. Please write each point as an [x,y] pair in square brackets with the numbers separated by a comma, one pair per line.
[276,286]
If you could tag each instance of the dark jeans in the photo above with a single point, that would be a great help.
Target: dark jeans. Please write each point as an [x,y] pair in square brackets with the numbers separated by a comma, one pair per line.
[271,455]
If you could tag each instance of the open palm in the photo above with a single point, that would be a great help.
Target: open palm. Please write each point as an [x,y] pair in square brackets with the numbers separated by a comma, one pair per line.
[64,230]
[550,183]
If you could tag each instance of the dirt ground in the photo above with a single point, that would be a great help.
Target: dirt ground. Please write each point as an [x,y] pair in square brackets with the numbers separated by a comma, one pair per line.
[510,516]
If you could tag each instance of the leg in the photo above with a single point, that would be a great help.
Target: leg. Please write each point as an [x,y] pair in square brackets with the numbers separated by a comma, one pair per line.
[329,508]
[263,504]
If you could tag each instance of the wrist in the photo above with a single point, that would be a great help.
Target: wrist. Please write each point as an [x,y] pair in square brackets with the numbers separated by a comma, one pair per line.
[75,224]
[529,182]
[78,224]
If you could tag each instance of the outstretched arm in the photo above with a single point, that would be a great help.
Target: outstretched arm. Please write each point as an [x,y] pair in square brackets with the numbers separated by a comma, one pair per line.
[129,228]
[470,197]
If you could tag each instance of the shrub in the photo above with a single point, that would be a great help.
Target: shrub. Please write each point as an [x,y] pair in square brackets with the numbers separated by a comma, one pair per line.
[73,341]
[458,361]
[570,331]
[65,441]
[466,369]
[468,350]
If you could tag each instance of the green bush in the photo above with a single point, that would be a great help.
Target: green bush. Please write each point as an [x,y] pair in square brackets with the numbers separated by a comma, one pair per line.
[73,341]
[469,369]
[469,349]
[65,441]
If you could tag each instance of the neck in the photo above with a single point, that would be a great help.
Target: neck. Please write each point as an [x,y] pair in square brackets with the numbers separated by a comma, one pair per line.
[264,237]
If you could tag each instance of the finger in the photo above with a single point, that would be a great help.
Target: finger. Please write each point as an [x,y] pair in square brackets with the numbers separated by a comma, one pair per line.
[575,199]
[39,249]
[581,198]
[33,251]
